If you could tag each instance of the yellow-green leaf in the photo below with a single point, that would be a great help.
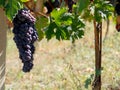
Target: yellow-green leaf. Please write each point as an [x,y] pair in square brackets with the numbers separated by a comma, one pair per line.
[24,0]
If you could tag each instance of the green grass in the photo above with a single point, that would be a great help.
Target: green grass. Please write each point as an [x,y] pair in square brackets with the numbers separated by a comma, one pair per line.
[63,66]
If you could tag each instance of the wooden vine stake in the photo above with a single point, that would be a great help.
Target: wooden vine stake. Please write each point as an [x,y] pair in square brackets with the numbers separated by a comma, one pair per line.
[98,49]
[3,29]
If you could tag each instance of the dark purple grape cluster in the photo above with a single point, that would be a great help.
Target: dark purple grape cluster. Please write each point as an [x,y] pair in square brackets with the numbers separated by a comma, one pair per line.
[70,5]
[25,35]
[117,8]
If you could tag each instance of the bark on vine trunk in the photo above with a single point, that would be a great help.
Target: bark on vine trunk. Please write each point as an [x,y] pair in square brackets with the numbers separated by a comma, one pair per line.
[98,50]
[3,29]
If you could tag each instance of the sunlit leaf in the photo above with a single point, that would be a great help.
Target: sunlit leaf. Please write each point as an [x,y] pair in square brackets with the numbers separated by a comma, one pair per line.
[25,0]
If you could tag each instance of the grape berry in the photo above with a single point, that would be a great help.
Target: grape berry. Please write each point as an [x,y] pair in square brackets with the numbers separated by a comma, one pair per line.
[25,35]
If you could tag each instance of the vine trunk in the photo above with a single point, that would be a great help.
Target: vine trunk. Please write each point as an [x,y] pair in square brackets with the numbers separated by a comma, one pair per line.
[98,49]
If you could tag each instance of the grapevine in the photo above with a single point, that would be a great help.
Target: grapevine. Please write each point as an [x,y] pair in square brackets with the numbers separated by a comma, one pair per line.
[24,36]
[50,5]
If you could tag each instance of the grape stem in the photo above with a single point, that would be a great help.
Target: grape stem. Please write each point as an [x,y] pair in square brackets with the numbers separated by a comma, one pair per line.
[35,12]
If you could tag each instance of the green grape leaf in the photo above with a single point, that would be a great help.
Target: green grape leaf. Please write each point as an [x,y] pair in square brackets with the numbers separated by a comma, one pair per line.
[103,10]
[11,8]
[24,0]
[66,18]
[41,22]
[83,4]
[77,27]
[60,33]
[50,30]
[65,26]
[56,14]
[52,1]
[88,81]
[2,3]
[35,0]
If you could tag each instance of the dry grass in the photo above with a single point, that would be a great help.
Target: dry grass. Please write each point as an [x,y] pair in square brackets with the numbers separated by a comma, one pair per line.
[63,66]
